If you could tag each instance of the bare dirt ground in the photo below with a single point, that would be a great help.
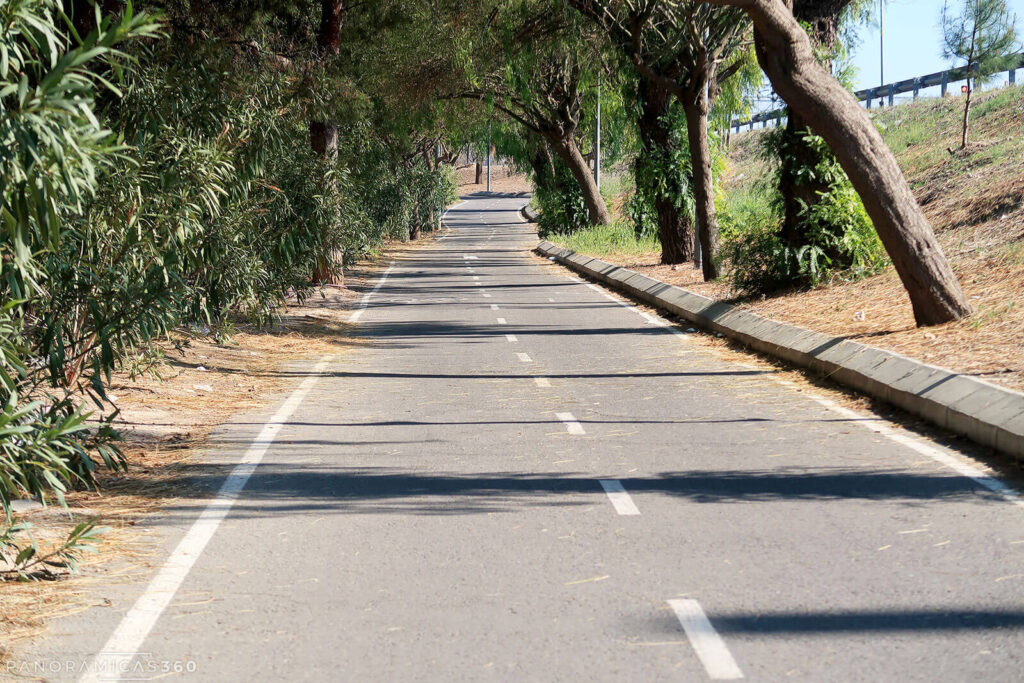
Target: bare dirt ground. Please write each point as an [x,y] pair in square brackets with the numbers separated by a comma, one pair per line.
[975,201]
[503,179]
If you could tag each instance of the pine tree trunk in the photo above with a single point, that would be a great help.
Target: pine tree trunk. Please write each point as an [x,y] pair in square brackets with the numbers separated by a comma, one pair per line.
[323,135]
[675,231]
[785,55]
[479,173]
[415,225]
[696,108]
[801,191]
[568,152]
[323,138]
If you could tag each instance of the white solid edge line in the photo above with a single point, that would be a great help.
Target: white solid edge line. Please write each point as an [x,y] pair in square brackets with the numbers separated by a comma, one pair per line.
[135,626]
[366,298]
[959,466]
[709,646]
[620,498]
[445,214]
[572,425]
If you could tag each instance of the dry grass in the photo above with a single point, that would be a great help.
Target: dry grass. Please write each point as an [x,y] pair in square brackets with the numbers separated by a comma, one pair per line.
[975,201]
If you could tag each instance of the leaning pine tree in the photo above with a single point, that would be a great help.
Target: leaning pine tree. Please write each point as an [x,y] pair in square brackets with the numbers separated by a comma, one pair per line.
[983,35]
[785,54]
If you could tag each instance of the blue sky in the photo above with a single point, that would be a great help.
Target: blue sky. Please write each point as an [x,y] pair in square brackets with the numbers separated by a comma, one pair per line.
[913,41]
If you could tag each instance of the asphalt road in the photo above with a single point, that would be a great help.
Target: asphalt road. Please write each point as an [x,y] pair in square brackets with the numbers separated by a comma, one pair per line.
[518,477]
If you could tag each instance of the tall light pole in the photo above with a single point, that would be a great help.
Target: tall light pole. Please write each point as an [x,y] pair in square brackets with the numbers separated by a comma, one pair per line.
[488,158]
[597,137]
[881,39]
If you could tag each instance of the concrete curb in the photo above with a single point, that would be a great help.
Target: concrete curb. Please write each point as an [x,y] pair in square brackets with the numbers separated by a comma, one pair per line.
[986,413]
[529,214]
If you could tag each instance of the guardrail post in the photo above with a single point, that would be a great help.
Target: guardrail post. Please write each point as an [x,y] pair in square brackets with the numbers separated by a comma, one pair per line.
[945,82]
[1013,76]
[870,96]
[917,87]
[892,95]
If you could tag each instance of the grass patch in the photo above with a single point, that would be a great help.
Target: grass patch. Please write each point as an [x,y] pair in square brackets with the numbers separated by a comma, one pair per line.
[617,238]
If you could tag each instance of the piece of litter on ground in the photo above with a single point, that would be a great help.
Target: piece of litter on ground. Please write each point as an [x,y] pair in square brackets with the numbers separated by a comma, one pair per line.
[202,387]
[551,258]
[590,580]
[690,329]
[859,316]
[202,368]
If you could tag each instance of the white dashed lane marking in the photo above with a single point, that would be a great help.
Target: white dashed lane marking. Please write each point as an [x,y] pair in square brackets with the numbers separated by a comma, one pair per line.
[572,425]
[524,358]
[621,500]
[709,646]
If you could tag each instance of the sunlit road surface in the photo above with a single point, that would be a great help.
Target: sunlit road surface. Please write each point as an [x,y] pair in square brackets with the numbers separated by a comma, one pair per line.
[517,477]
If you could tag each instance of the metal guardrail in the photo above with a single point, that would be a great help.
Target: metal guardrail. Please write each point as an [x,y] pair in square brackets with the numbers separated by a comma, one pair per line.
[890,91]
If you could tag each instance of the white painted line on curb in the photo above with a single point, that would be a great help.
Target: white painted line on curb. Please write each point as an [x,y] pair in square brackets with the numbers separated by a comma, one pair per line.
[621,500]
[572,425]
[542,381]
[131,633]
[511,338]
[502,321]
[366,299]
[524,358]
[706,642]
[959,466]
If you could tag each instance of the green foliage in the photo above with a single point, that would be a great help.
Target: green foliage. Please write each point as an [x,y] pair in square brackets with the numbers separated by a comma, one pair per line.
[187,193]
[561,204]
[53,151]
[983,36]
[836,234]
[616,238]
[30,562]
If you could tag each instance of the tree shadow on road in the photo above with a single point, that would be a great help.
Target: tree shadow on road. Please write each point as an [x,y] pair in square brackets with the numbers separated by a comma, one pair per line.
[282,487]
